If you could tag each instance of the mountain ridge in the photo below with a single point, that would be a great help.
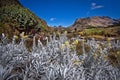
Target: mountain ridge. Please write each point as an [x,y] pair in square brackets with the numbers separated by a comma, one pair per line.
[94,21]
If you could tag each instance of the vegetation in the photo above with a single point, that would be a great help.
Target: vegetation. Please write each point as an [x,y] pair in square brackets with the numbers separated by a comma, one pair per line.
[114,56]
[101,33]
[19,19]
[58,60]
[29,50]
[93,31]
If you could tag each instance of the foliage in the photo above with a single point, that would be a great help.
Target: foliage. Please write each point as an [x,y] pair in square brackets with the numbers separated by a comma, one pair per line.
[101,33]
[51,62]
[20,18]
[5,28]
[80,46]
[94,31]
[114,56]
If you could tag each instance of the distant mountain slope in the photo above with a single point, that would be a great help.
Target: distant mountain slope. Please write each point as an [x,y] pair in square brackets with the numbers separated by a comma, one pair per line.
[15,17]
[96,21]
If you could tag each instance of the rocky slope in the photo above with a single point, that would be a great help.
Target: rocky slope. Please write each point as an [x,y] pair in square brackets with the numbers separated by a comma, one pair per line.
[96,21]
[14,18]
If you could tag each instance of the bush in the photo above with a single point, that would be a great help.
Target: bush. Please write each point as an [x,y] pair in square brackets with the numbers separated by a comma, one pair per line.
[51,62]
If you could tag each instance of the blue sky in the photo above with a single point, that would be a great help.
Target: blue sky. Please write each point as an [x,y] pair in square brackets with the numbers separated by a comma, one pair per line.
[65,12]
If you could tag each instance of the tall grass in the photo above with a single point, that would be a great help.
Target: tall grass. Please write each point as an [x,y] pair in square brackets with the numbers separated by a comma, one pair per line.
[57,60]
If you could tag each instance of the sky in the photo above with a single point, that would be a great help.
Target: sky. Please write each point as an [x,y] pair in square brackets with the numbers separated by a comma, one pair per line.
[65,12]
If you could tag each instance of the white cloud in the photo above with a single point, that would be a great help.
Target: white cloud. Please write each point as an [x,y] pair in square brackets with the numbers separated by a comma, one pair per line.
[95,6]
[52,19]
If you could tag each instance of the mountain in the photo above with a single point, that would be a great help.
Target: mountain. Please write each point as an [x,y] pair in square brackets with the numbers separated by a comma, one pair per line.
[96,21]
[14,18]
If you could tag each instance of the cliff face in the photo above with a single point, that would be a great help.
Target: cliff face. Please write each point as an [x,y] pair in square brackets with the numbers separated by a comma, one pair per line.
[96,21]
[16,17]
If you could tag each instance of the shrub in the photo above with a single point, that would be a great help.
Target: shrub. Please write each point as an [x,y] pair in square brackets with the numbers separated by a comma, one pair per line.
[50,62]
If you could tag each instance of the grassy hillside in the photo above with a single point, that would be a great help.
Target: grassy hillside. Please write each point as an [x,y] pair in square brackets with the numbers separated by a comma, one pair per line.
[103,32]
[14,18]
[98,33]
